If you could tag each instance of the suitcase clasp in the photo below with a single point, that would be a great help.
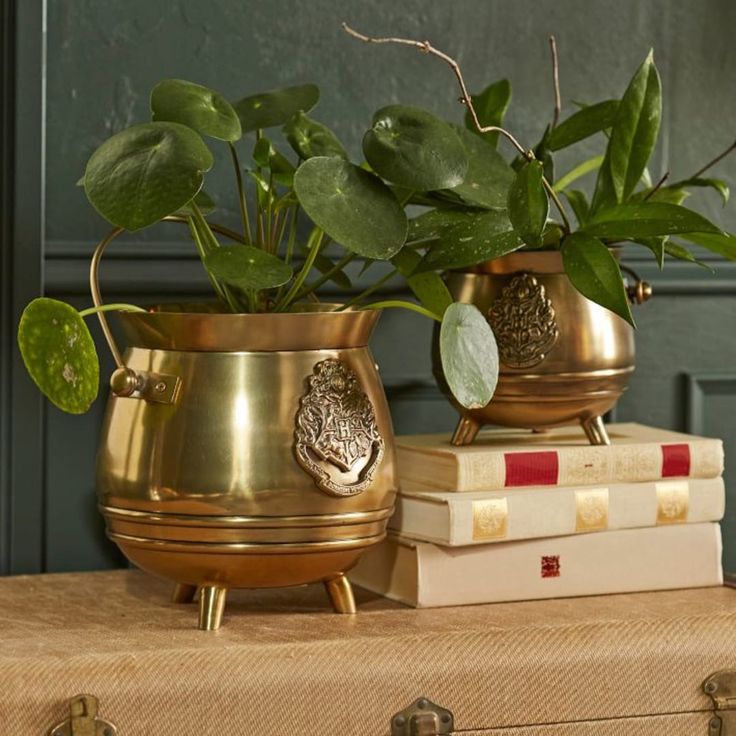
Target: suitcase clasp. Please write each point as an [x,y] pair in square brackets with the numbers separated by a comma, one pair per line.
[423,718]
[83,720]
[721,687]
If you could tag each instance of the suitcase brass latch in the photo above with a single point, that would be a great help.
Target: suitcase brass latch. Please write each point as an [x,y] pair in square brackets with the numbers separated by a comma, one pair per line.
[83,720]
[423,718]
[721,687]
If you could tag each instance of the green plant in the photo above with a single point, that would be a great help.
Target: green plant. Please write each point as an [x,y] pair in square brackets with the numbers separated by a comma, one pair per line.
[155,171]
[503,206]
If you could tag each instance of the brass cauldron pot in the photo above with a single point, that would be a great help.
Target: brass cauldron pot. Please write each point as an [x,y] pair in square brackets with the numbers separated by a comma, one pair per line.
[563,358]
[247,450]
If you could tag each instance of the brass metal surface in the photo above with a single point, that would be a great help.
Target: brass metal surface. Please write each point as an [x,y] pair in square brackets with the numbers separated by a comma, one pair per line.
[83,720]
[423,718]
[208,490]
[580,355]
[721,688]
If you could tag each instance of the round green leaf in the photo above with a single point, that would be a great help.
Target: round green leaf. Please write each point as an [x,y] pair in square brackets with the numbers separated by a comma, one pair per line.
[247,267]
[488,178]
[309,138]
[469,355]
[414,149]
[59,354]
[275,107]
[354,207]
[197,107]
[146,172]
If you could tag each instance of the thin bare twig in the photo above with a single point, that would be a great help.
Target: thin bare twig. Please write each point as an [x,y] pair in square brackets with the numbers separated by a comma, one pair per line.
[657,186]
[427,48]
[555,80]
[718,158]
[465,99]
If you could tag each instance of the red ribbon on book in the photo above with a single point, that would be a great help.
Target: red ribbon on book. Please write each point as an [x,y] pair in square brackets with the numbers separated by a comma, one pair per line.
[531,468]
[675,460]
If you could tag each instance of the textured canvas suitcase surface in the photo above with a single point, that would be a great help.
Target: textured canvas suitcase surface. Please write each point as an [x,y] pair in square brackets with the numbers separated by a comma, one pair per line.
[284,665]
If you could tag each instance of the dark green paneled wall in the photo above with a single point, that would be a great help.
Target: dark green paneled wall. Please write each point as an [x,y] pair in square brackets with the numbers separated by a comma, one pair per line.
[103,58]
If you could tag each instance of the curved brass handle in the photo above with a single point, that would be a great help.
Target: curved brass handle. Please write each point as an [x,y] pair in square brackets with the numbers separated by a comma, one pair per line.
[640,291]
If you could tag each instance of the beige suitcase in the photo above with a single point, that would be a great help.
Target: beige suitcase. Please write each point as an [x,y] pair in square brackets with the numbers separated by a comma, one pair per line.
[284,665]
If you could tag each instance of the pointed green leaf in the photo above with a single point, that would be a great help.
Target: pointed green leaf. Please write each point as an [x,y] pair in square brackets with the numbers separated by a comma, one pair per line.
[576,173]
[198,107]
[428,287]
[644,219]
[724,244]
[59,354]
[414,149]
[490,107]
[675,250]
[461,238]
[635,129]
[582,124]
[671,195]
[528,205]
[324,265]
[275,107]
[309,138]
[469,355]
[488,177]
[354,207]
[657,246]
[146,172]
[579,204]
[247,267]
[594,272]
[719,185]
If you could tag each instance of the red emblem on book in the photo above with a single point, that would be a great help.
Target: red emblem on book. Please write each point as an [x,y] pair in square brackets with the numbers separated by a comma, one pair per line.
[550,566]
[675,460]
[531,468]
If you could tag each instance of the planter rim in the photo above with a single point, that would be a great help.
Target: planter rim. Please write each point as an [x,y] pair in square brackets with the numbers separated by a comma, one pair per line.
[199,327]
[534,261]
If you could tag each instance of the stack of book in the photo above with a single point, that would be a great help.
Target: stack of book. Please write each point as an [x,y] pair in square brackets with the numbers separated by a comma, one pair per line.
[521,516]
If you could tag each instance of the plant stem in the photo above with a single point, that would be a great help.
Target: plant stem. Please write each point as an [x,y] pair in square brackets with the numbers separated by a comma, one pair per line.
[555,198]
[555,80]
[201,232]
[718,158]
[110,308]
[465,99]
[241,194]
[292,236]
[370,290]
[309,288]
[404,305]
[314,243]
[657,186]
[269,210]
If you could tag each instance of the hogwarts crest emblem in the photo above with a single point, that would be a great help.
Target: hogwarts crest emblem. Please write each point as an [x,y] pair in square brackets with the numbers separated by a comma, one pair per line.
[524,323]
[337,439]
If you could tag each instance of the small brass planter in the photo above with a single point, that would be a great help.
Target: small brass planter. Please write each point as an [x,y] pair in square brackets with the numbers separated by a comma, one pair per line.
[246,450]
[564,359]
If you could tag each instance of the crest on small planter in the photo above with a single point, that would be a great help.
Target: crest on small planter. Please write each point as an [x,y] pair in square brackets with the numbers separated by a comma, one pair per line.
[524,323]
[337,439]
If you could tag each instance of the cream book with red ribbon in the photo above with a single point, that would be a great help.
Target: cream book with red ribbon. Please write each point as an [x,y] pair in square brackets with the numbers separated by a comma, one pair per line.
[459,519]
[426,575]
[502,459]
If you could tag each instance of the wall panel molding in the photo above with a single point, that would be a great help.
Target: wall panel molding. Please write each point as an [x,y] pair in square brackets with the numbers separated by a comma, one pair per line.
[698,387]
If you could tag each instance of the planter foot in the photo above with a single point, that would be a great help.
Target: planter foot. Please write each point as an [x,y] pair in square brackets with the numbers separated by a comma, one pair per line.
[184,593]
[596,431]
[341,594]
[465,432]
[211,606]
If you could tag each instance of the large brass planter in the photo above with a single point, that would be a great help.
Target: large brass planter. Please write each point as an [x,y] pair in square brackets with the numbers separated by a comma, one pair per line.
[564,359]
[247,451]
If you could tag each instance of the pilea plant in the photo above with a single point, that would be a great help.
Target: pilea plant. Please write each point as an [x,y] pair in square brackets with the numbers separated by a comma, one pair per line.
[504,206]
[155,171]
